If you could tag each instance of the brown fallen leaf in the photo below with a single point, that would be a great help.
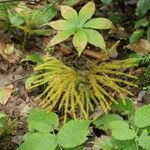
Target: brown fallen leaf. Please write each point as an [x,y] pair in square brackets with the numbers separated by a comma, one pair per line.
[5,93]
[8,53]
[142,47]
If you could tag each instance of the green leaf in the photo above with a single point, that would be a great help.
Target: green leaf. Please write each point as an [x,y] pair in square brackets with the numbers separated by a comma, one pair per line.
[148,33]
[61,25]
[45,32]
[99,23]
[141,22]
[43,16]
[60,36]
[95,38]
[144,141]
[34,58]
[125,144]
[106,2]
[86,12]
[121,131]
[104,143]
[38,141]
[80,41]
[124,108]
[73,133]
[106,120]
[42,121]
[136,36]
[69,14]
[16,20]
[142,7]
[142,118]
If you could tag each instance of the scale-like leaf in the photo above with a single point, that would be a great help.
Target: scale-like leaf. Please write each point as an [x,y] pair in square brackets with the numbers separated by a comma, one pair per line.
[86,12]
[73,133]
[120,130]
[60,36]
[99,23]
[61,25]
[142,118]
[69,13]
[80,41]
[42,121]
[38,141]
[95,38]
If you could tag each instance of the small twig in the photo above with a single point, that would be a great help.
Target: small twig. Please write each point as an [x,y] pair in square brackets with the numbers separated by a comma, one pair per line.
[11,82]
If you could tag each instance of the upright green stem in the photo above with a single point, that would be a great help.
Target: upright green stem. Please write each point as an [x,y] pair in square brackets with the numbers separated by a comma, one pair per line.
[24,41]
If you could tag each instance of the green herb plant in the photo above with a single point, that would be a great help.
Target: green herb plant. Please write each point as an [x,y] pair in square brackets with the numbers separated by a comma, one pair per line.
[31,21]
[81,27]
[131,133]
[45,132]
[142,25]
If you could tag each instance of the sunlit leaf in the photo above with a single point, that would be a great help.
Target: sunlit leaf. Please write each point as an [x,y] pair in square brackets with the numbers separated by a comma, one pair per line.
[142,118]
[60,36]
[95,38]
[80,41]
[61,25]
[99,23]
[39,141]
[86,12]
[42,121]
[121,131]
[69,14]
[73,133]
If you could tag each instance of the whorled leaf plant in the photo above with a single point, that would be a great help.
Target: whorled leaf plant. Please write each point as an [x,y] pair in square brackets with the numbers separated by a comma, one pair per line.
[77,92]
[81,27]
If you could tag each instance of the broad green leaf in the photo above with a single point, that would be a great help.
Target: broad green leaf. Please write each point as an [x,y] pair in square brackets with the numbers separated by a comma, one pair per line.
[42,121]
[40,17]
[60,36]
[106,120]
[80,41]
[86,12]
[125,144]
[16,20]
[121,131]
[144,141]
[95,38]
[142,116]
[69,14]
[148,33]
[141,22]
[38,141]
[33,58]
[106,2]
[142,7]
[73,133]
[99,23]
[124,108]
[61,25]
[75,148]
[136,36]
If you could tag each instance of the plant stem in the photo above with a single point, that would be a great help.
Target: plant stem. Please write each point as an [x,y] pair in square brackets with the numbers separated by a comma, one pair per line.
[24,41]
